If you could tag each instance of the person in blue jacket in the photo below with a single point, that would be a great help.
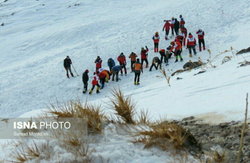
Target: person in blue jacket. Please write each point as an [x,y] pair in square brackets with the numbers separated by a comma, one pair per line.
[115,72]
[111,63]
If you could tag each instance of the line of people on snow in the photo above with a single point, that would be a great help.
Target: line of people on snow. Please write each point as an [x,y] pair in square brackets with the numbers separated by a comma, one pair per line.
[182,39]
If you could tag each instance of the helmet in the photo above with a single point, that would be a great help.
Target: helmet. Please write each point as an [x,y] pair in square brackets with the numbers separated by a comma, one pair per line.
[87,70]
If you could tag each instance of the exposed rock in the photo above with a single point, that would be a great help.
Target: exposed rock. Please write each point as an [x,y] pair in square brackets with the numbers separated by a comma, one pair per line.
[200,72]
[243,51]
[224,135]
[245,63]
[191,65]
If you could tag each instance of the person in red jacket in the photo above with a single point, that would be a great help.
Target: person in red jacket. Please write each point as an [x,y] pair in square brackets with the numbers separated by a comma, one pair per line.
[156,39]
[177,49]
[184,32]
[98,63]
[201,35]
[94,84]
[122,61]
[182,22]
[144,56]
[166,27]
[132,57]
[191,43]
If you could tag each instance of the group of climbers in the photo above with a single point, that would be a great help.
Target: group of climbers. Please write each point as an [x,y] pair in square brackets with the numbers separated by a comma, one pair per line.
[182,39]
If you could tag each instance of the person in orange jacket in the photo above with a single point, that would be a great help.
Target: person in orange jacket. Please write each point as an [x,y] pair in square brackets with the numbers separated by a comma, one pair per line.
[103,76]
[191,43]
[138,70]
[122,61]
[132,57]
[177,49]
[95,83]
[156,39]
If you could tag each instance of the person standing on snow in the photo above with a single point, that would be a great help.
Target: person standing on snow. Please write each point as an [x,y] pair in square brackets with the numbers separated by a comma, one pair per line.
[95,83]
[172,22]
[201,40]
[98,63]
[156,62]
[111,63]
[182,22]
[176,48]
[176,26]
[138,70]
[67,65]
[184,32]
[115,72]
[122,61]
[180,37]
[132,57]
[166,27]
[85,79]
[144,56]
[156,39]
[191,43]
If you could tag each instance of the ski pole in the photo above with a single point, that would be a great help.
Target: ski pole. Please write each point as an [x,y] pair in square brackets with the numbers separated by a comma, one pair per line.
[75,70]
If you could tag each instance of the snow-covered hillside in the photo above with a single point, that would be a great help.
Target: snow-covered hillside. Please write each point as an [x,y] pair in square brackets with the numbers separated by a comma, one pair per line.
[38,34]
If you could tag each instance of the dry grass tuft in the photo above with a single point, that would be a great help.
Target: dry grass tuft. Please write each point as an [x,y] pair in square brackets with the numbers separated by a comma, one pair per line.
[123,106]
[163,72]
[143,118]
[167,135]
[218,158]
[92,114]
[31,151]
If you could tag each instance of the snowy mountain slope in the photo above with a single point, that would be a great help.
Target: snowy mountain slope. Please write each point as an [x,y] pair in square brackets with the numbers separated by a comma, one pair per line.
[41,33]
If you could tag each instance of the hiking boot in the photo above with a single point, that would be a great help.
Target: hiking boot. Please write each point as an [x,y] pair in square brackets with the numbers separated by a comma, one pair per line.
[181,59]
[90,92]
[67,75]
[176,60]
[72,74]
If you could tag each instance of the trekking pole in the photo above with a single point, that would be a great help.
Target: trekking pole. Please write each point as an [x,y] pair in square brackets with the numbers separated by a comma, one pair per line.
[75,70]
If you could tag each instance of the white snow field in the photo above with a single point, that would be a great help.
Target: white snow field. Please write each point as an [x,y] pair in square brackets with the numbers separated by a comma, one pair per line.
[38,34]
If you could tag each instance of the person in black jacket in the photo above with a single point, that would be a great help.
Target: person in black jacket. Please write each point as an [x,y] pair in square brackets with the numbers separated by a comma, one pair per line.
[67,65]
[85,79]
[176,27]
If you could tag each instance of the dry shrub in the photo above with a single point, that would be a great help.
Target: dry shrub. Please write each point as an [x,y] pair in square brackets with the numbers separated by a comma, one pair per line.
[31,151]
[92,114]
[168,135]
[123,106]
